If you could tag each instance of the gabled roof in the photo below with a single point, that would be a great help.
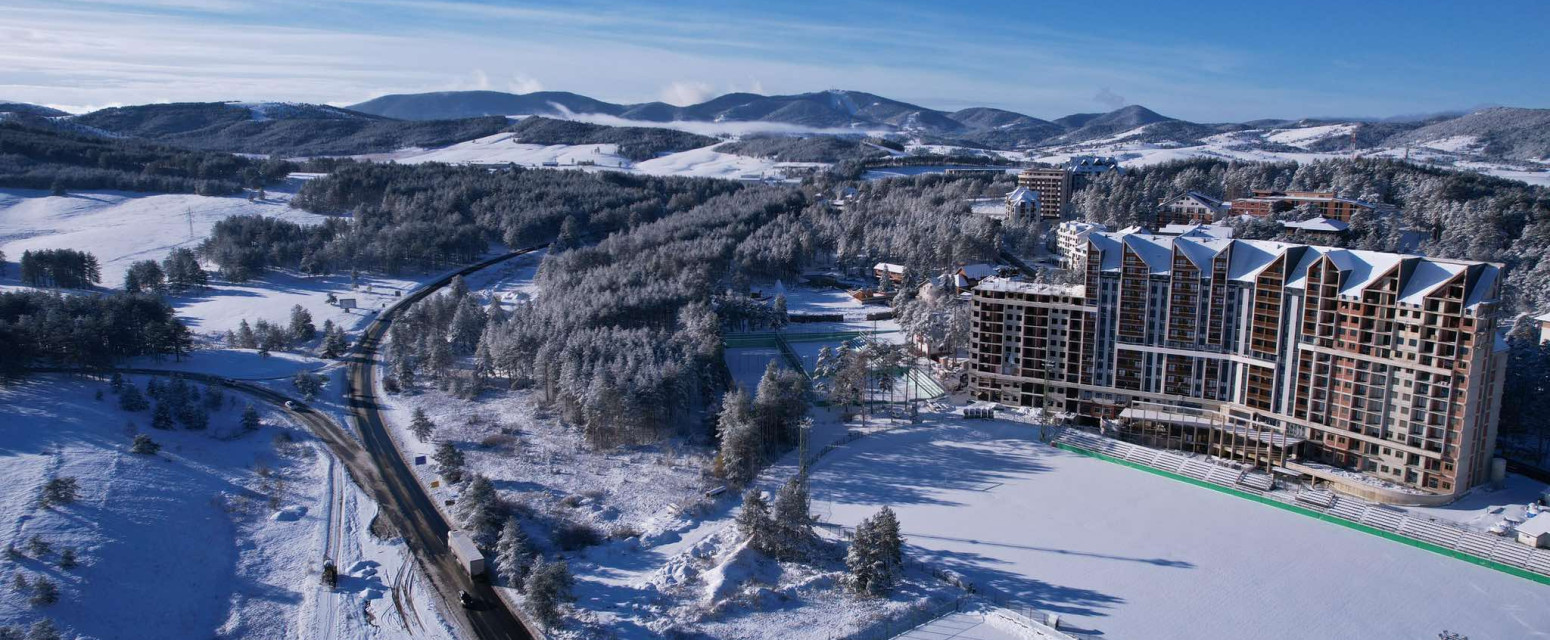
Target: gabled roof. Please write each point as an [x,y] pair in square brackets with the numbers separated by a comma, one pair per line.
[1202,251]
[1317,225]
[1427,277]
[1022,194]
[888,267]
[977,271]
[1197,197]
[1155,251]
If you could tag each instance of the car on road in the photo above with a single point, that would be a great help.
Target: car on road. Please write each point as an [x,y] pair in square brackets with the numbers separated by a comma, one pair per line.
[292,405]
[467,600]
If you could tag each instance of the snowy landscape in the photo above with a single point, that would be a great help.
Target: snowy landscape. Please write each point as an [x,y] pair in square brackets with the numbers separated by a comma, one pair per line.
[344,321]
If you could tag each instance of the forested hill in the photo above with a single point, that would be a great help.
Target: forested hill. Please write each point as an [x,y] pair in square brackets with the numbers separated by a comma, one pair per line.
[1467,216]
[635,143]
[288,130]
[33,158]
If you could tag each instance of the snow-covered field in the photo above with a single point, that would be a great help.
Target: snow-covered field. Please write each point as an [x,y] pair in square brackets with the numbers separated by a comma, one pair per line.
[219,535]
[122,227]
[1134,555]
[502,148]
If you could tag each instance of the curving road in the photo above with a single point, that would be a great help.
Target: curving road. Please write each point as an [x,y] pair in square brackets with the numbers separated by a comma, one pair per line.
[377,467]
[420,522]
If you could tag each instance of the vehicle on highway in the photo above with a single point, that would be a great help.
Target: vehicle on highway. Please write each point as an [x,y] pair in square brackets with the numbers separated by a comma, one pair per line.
[467,552]
[292,405]
[467,600]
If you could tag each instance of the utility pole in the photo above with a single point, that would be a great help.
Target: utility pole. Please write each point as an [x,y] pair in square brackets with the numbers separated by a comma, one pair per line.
[189,213]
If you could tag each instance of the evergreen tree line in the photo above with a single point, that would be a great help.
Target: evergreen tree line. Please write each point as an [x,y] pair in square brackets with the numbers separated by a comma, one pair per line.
[1467,216]
[923,223]
[62,268]
[435,215]
[179,271]
[625,338]
[38,158]
[85,331]
[755,430]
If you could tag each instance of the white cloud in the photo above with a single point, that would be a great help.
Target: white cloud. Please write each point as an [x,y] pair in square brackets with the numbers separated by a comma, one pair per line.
[524,84]
[684,93]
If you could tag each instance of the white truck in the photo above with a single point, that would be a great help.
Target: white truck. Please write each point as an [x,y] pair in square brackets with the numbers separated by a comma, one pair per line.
[466,551]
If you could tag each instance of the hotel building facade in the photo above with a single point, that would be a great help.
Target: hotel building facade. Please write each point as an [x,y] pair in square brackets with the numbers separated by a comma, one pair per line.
[1289,357]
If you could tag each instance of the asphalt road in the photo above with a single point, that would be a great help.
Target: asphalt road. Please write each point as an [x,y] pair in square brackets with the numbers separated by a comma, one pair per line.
[420,522]
[376,466]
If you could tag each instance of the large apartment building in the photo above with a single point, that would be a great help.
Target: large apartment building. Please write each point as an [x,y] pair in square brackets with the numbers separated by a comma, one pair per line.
[1286,356]
[1053,186]
[1329,205]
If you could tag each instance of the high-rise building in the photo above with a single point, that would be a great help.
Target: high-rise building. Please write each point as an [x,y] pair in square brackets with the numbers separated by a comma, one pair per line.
[1053,186]
[1286,356]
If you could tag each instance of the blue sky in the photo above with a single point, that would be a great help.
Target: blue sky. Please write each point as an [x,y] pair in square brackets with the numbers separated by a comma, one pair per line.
[1206,60]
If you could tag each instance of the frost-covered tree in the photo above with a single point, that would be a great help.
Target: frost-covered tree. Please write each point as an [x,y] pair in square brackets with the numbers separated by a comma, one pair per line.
[308,383]
[301,327]
[755,523]
[193,416]
[131,400]
[479,510]
[44,592]
[513,554]
[467,326]
[420,425]
[449,461]
[246,339]
[548,587]
[67,559]
[59,491]
[741,452]
[144,445]
[250,420]
[793,524]
[876,555]
[335,344]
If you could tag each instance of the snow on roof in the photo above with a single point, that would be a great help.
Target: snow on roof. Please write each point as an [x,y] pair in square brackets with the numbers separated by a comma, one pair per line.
[1196,229]
[1079,226]
[1536,526]
[1482,286]
[1428,276]
[977,271]
[1009,285]
[1155,251]
[1196,196]
[1319,224]
[888,267]
[1022,194]
[1201,251]
[1543,317]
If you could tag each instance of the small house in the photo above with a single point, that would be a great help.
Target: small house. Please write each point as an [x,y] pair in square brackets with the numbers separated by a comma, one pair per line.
[1022,202]
[1535,531]
[888,271]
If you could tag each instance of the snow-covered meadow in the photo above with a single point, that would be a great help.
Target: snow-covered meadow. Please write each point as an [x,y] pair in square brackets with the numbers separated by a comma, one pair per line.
[1133,555]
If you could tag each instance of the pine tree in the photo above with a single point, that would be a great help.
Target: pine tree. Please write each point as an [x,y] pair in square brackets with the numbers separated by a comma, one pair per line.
[116,383]
[301,328]
[43,630]
[250,419]
[513,554]
[61,490]
[740,456]
[449,461]
[245,337]
[875,558]
[548,587]
[162,417]
[308,383]
[755,523]
[421,426]
[44,592]
[193,416]
[793,525]
[131,400]
[67,558]
[479,508]
[144,445]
